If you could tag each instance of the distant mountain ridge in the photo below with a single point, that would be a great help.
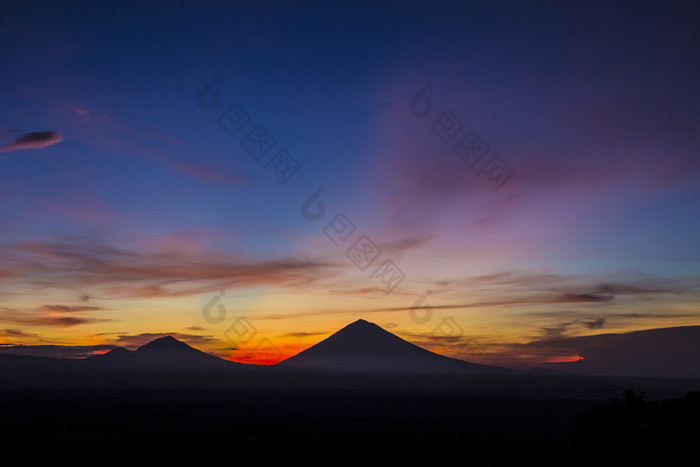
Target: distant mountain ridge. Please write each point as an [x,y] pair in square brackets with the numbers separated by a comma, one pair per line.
[363,355]
[360,346]
[164,352]
[662,352]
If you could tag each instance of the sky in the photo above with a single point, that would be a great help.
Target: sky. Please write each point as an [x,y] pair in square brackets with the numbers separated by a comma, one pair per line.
[489,180]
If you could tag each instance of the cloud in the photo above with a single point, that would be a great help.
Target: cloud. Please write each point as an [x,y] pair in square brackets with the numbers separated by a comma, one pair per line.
[627,289]
[33,140]
[359,291]
[584,297]
[469,348]
[61,322]
[566,329]
[520,288]
[303,334]
[104,132]
[526,291]
[555,332]
[428,340]
[397,247]
[640,285]
[204,172]
[83,113]
[607,135]
[46,317]
[70,309]
[139,274]
[17,333]
[543,299]
[595,324]
[136,340]
[56,351]
[655,315]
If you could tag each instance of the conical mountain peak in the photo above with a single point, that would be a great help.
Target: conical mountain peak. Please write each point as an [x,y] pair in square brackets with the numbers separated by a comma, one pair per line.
[165,343]
[362,324]
[360,321]
[365,346]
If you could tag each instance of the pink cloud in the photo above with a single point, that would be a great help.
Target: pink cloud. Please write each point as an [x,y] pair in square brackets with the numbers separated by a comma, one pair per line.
[144,273]
[32,140]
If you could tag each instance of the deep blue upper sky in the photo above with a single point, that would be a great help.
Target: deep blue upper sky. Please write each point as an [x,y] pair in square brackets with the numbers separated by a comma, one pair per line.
[140,195]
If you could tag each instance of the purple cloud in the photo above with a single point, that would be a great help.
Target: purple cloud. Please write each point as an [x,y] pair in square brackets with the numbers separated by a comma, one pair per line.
[32,140]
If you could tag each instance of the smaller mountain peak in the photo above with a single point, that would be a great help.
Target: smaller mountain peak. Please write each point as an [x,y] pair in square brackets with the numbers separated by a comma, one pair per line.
[115,353]
[164,343]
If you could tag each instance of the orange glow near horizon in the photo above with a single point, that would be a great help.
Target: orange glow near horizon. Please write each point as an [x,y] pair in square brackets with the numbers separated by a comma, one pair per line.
[265,358]
[573,358]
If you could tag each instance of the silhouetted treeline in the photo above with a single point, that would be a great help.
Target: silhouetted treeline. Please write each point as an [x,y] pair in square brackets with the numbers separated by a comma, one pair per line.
[634,431]
[329,428]
[338,427]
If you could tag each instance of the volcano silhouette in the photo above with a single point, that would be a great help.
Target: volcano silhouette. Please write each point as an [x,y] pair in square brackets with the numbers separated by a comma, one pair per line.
[163,352]
[365,347]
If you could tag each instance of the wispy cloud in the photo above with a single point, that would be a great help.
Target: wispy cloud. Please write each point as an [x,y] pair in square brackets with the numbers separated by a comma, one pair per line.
[639,285]
[105,132]
[53,321]
[542,299]
[32,140]
[18,333]
[57,351]
[595,324]
[397,247]
[47,317]
[64,322]
[118,272]
[133,341]
[70,309]
[304,334]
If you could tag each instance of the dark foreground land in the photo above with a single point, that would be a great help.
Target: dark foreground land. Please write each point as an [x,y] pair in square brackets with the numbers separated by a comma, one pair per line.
[168,404]
[381,426]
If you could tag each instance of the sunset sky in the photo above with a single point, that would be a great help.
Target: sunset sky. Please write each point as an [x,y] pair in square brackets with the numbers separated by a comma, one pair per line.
[133,194]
